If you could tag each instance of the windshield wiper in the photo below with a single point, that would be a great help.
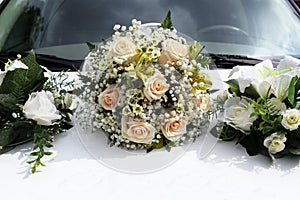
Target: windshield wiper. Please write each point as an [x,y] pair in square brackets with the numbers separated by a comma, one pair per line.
[53,63]
[229,61]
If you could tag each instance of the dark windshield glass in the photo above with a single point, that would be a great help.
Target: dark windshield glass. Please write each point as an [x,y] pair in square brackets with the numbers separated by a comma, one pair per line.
[236,27]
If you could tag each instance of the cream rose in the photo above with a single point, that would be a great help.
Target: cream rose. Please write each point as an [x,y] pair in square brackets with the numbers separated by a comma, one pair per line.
[139,132]
[174,129]
[109,98]
[275,143]
[123,47]
[237,114]
[40,108]
[173,51]
[155,87]
[291,119]
[202,101]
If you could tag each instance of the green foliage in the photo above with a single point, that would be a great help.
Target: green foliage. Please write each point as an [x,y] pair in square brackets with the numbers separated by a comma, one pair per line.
[159,145]
[167,22]
[203,60]
[292,91]
[250,91]
[8,105]
[228,133]
[59,82]
[42,140]
[234,86]
[14,92]
[194,50]
[14,130]
[268,122]
[251,143]
[91,46]
[30,80]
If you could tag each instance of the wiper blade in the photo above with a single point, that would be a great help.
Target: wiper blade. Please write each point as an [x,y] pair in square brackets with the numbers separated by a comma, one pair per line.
[55,63]
[229,61]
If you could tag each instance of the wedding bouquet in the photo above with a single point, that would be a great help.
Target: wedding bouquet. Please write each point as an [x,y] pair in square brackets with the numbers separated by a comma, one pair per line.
[145,88]
[262,108]
[32,106]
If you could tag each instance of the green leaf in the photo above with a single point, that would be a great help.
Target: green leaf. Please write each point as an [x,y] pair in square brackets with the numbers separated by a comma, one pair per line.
[251,143]
[291,91]
[228,133]
[48,153]
[167,22]
[42,139]
[91,46]
[194,50]
[203,60]
[15,132]
[8,105]
[31,79]
[234,86]
[295,151]
[7,136]
[251,92]
[34,153]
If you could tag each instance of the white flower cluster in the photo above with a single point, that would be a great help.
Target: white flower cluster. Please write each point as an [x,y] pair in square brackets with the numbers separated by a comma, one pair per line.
[267,96]
[144,90]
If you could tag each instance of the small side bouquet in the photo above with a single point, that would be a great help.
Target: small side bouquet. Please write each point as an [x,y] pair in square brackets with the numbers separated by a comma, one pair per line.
[145,88]
[263,108]
[32,106]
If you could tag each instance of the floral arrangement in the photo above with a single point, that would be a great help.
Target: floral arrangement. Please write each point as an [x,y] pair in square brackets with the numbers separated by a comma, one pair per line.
[32,106]
[144,88]
[262,108]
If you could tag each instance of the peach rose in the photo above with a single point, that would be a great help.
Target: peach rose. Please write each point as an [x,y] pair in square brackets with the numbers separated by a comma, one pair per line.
[202,101]
[109,98]
[155,87]
[173,130]
[173,51]
[139,132]
[123,47]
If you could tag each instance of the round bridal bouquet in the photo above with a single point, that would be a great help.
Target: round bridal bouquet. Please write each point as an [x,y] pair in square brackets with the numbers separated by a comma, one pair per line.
[145,88]
[32,106]
[263,110]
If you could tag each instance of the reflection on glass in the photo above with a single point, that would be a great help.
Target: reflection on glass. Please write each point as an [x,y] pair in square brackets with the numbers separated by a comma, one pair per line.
[237,27]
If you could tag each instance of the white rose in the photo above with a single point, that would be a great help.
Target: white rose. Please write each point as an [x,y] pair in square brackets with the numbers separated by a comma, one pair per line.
[40,108]
[291,119]
[174,129]
[123,47]
[109,98]
[15,65]
[237,114]
[139,132]
[275,143]
[172,51]
[155,87]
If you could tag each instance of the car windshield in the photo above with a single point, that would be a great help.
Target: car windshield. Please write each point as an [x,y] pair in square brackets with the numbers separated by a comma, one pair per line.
[256,28]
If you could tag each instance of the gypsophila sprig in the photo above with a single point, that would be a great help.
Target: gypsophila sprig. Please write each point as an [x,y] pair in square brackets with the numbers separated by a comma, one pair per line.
[145,88]
[33,106]
[263,108]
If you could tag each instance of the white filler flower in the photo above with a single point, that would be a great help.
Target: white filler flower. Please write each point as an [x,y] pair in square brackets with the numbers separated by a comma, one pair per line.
[40,108]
